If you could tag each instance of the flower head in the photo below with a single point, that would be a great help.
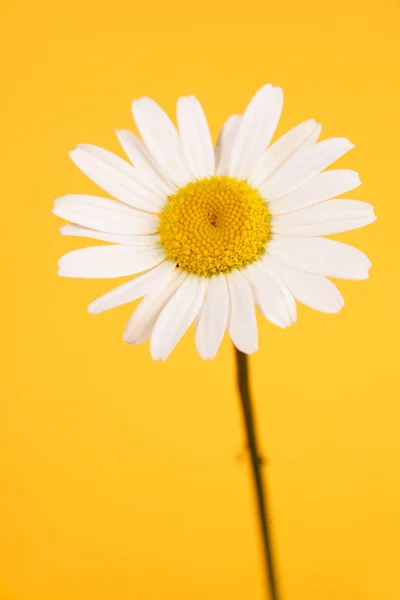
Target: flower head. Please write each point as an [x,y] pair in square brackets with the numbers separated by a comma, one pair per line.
[210,233]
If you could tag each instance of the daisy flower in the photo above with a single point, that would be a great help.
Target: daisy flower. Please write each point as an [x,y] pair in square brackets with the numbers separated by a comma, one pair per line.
[211,233]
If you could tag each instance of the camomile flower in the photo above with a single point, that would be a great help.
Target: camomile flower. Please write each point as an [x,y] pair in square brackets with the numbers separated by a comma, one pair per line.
[211,233]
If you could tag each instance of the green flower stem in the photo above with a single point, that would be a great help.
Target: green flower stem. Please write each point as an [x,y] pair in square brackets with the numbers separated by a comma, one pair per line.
[256,465]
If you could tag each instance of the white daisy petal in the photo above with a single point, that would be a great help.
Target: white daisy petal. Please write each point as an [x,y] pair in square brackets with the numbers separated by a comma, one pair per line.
[270,296]
[224,143]
[322,187]
[213,316]
[286,295]
[105,215]
[177,316]
[129,240]
[117,177]
[321,256]
[326,218]
[242,324]
[256,129]
[279,152]
[196,137]
[314,291]
[141,323]
[138,154]
[99,262]
[288,298]
[140,286]
[162,140]
[303,166]
[325,228]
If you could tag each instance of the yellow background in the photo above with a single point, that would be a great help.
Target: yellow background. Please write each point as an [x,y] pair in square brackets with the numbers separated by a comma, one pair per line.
[125,479]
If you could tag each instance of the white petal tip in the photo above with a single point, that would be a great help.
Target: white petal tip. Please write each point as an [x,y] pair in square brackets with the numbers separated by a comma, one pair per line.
[335,306]
[340,302]
[139,101]
[363,269]
[121,132]
[157,357]
[252,351]
[367,267]
[66,229]
[60,200]
[336,310]
[205,356]
[248,351]
[333,309]
[318,129]
[92,309]
[64,271]
[156,354]
[344,143]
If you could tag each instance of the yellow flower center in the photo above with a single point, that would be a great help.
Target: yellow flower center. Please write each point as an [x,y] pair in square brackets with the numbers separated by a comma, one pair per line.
[215,225]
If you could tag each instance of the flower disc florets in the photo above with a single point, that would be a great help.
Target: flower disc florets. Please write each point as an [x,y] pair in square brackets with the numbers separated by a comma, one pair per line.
[215,225]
